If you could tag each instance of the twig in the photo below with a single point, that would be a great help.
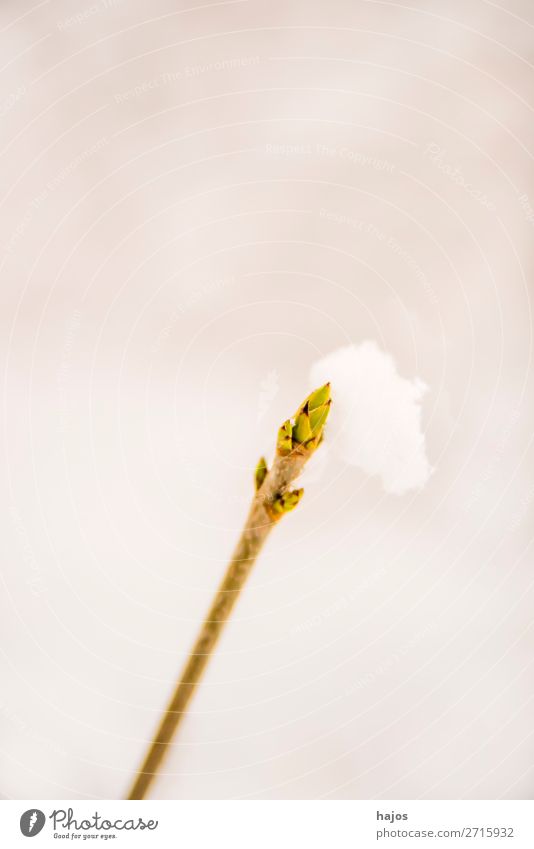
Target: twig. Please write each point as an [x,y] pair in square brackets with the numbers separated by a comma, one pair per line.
[273,498]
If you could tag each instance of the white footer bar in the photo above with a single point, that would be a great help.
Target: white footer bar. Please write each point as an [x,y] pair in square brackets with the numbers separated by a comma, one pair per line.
[270,824]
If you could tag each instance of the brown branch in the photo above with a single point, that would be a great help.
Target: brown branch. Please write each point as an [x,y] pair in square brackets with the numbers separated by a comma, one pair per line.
[260,521]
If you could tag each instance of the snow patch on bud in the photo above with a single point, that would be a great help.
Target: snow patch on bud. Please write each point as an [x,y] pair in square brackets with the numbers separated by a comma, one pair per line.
[375,421]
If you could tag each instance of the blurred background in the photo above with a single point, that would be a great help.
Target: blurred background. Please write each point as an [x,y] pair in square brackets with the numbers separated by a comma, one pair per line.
[195,205]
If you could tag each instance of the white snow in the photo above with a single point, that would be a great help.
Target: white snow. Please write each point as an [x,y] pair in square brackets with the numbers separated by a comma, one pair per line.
[375,420]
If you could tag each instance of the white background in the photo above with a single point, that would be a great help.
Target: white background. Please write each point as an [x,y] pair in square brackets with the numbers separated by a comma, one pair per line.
[168,278]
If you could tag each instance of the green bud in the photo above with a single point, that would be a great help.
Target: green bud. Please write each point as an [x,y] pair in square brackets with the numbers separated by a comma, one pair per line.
[308,423]
[291,499]
[284,442]
[286,502]
[319,397]
[318,417]
[311,417]
[302,430]
[261,473]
